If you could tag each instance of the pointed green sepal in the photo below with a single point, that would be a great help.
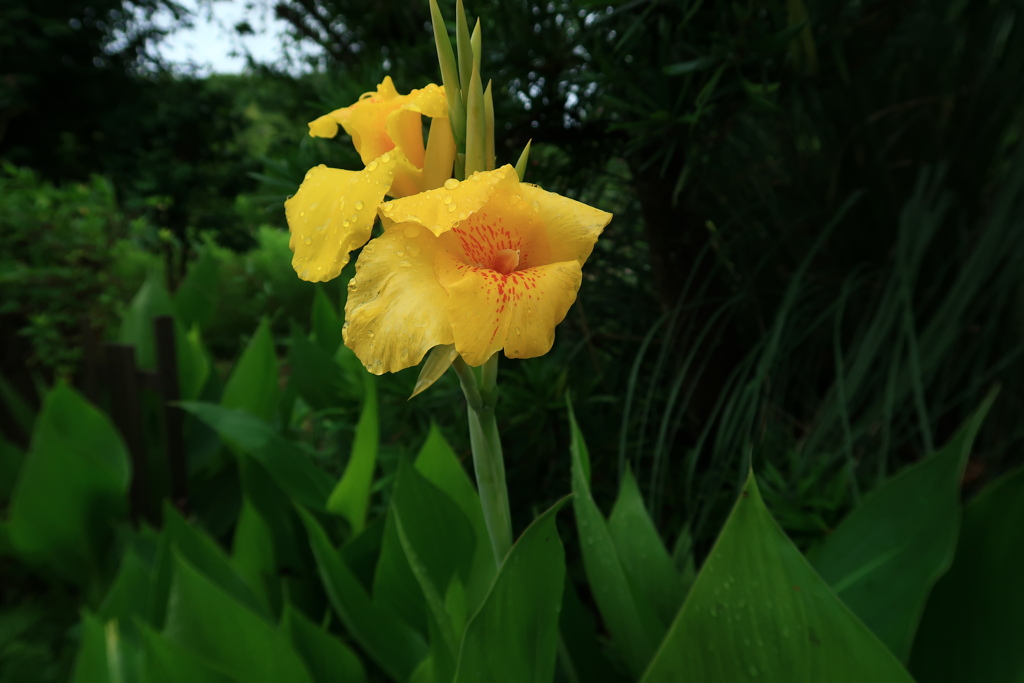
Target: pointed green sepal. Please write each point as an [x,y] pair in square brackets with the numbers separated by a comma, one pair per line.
[449,74]
[476,126]
[524,158]
[489,127]
[465,48]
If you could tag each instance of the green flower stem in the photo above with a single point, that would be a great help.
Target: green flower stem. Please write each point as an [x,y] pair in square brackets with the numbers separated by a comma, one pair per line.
[488,461]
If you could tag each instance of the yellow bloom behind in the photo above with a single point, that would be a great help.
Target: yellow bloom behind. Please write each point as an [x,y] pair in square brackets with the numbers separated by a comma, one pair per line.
[486,264]
[332,212]
[383,121]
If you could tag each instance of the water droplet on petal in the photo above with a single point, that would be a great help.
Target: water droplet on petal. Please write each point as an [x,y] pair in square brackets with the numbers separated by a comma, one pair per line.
[386,157]
[405,354]
[301,214]
[308,240]
[413,250]
[412,231]
[372,166]
[354,217]
[451,184]
[369,333]
[404,264]
[359,206]
[447,200]
[451,208]
[518,331]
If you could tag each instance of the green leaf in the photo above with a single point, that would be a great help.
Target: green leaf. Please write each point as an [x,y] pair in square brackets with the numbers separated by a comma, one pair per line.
[328,659]
[193,363]
[438,463]
[207,557]
[326,323]
[208,621]
[253,384]
[196,299]
[316,376]
[290,467]
[692,66]
[630,620]
[167,662]
[252,556]
[71,489]
[887,554]
[128,597]
[351,497]
[151,301]
[649,568]
[395,646]
[972,626]
[438,541]
[91,662]
[758,610]
[514,636]
[394,585]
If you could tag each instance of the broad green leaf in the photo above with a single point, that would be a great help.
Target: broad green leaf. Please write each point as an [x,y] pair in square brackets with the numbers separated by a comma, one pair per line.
[129,595]
[326,657]
[648,566]
[71,488]
[193,363]
[759,611]
[326,323]
[196,299]
[211,623]
[151,301]
[290,467]
[316,376]
[168,662]
[887,554]
[277,511]
[252,556]
[91,662]
[253,384]
[438,541]
[351,496]
[207,557]
[394,585]
[514,636]
[584,656]
[973,624]
[396,647]
[633,625]
[438,463]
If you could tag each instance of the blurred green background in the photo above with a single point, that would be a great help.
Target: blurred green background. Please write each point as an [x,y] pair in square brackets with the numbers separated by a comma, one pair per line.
[814,266]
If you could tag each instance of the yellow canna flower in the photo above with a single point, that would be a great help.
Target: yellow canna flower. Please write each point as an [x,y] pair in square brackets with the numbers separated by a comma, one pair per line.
[486,264]
[332,212]
[383,121]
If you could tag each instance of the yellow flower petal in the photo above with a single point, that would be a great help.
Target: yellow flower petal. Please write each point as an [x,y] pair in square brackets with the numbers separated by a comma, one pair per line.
[395,308]
[557,228]
[517,312]
[323,127]
[439,210]
[332,213]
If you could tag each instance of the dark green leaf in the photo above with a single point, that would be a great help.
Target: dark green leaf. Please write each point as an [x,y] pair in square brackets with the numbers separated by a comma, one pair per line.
[253,384]
[973,626]
[291,469]
[648,565]
[328,659]
[514,636]
[885,556]
[71,488]
[630,620]
[151,301]
[758,611]
[691,66]
[326,323]
[91,662]
[351,496]
[168,662]
[316,376]
[395,646]
[196,298]
[208,621]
